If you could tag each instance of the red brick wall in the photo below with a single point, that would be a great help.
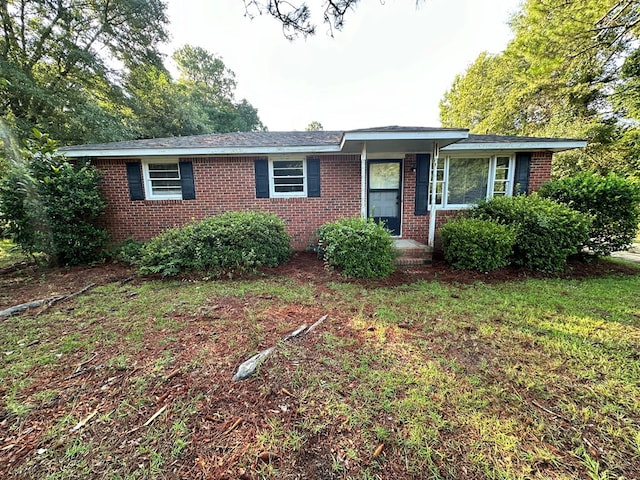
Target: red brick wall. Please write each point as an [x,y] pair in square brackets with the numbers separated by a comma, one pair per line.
[224,184]
[228,183]
[540,171]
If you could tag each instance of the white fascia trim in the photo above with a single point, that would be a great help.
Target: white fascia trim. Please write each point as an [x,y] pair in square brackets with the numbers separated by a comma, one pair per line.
[190,152]
[434,135]
[554,146]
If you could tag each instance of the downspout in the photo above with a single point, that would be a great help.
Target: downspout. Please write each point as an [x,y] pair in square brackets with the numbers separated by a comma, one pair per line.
[363,181]
[434,180]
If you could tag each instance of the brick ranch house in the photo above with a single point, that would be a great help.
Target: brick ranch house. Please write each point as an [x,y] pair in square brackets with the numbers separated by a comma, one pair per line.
[410,177]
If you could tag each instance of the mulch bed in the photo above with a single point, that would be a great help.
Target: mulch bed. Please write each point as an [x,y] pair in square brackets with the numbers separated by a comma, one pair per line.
[31,282]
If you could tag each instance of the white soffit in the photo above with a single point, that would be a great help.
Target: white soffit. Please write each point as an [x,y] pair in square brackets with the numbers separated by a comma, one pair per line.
[395,141]
[558,146]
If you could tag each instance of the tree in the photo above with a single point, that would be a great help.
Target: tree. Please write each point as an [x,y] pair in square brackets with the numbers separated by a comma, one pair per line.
[210,85]
[201,100]
[58,57]
[51,206]
[296,19]
[314,127]
[569,71]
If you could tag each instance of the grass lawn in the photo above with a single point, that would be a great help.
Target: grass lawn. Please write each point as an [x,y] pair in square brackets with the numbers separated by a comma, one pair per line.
[9,254]
[534,378]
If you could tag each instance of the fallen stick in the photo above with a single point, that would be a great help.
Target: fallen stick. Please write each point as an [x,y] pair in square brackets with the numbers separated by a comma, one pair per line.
[297,332]
[15,267]
[82,364]
[65,297]
[317,324]
[246,369]
[84,421]
[7,312]
[234,426]
[154,416]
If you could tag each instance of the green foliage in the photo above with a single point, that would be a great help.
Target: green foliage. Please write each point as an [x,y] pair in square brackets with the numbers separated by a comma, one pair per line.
[225,244]
[547,232]
[473,244]
[557,78]
[52,206]
[360,248]
[612,201]
[128,252]
[57,60]
[201,100]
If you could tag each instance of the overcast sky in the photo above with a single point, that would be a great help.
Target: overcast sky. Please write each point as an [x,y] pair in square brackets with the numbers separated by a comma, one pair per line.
[390,65]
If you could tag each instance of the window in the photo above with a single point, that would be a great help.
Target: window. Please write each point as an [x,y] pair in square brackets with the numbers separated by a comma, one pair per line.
[161,179]
[287,178]
[464,181]
[501,180]
[468,180]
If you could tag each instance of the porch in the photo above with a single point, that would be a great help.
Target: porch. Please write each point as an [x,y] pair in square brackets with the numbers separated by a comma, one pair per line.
[412,253]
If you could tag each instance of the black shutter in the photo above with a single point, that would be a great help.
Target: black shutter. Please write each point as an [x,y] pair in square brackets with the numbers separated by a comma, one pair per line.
[422,183]
[521,178]
[134,178]
[186,180]
[262,177]
[313,177]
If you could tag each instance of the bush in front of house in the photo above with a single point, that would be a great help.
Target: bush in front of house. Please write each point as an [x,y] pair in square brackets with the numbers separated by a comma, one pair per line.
[128,252]
[474,244]
[359,247]
[612,201]
[52,207]
[547,232]
[233,242]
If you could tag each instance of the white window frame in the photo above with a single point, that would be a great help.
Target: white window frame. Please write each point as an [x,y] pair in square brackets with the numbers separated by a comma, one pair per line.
[148,191]
[292,158]
[493,161]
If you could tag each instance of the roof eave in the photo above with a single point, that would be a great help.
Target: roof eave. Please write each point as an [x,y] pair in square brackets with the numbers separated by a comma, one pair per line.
[188,152]
[558,146]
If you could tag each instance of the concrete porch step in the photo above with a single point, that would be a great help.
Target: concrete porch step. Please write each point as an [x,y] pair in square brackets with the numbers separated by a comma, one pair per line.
[412,253]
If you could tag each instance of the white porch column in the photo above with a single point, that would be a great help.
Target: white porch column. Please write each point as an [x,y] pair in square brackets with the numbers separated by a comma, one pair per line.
[363,181]
[434,180]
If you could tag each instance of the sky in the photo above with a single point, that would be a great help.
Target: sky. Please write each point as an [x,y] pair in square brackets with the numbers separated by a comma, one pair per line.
[390,65]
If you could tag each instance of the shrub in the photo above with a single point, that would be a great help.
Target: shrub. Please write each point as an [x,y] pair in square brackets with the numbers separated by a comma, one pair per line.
[128,252]
[358,247]
[473,244]
[612,201]
[52,206]
[547,232]
[229,243]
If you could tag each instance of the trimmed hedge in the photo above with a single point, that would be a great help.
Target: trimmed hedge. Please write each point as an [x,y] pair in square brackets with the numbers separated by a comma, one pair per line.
[612,201]
[473,244]
[229,243]
[358,247]
[547,232]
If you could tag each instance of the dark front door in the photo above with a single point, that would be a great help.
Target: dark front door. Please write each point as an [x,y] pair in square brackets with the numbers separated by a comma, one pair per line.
[384,193]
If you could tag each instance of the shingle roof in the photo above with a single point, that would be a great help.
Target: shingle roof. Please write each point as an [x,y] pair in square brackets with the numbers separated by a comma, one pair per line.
[237,139]
[320,141]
